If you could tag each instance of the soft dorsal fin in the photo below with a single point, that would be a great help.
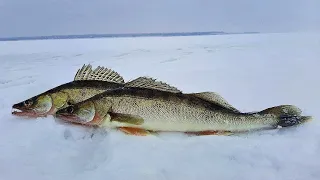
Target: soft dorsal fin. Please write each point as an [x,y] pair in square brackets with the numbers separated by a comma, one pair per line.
[150,83]
[100,73]
[215,98]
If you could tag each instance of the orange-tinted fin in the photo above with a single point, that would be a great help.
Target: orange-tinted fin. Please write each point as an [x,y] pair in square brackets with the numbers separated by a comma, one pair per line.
[134,131]
[204,133]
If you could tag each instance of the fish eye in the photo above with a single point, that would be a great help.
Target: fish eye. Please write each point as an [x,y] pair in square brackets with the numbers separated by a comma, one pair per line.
[28,102]
[70,109]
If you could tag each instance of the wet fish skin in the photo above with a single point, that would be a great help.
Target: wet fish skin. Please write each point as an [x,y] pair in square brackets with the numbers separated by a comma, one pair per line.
[166,111]
[47,103]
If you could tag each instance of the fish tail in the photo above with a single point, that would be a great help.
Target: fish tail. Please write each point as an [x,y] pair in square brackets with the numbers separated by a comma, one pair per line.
[288,115]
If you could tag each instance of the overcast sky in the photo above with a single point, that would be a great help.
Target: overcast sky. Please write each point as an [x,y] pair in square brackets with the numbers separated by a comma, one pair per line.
[61,17]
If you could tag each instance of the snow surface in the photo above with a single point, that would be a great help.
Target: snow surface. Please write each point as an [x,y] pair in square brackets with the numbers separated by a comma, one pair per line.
[252,72]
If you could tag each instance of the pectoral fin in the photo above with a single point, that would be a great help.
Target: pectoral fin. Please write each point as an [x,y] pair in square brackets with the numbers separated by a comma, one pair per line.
[126,118]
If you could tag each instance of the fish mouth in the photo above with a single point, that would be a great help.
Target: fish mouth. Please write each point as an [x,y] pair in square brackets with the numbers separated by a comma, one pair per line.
[21,111]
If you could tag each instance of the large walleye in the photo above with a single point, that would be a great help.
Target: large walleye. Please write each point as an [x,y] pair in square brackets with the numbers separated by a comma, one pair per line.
[87,83]
[137,110]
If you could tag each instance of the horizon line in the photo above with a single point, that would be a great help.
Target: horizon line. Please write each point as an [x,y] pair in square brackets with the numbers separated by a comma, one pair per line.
[119,35]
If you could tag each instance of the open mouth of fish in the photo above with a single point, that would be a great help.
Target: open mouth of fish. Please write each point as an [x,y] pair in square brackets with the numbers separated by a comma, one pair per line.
[25,112]
[19,112]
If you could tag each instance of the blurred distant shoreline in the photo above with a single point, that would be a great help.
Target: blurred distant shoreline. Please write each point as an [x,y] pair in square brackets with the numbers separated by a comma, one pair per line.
[91,36]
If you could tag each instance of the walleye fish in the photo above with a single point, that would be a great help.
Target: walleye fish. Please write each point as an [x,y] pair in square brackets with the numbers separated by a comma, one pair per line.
[86,83]
[138,110]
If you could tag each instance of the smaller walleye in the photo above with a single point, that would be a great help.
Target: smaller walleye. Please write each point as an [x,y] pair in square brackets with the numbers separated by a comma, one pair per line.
[87,83]
[137,110]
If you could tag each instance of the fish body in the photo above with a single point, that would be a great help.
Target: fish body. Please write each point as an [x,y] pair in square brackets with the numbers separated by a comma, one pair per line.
[87,83]
[47,103]
[155,110]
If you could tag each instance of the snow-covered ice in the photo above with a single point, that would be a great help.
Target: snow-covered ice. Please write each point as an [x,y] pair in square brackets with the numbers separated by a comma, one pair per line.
[251,71]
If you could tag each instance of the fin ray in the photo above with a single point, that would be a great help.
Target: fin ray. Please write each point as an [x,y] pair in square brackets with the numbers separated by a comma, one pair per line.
[150,83]
[83,72]
[288,115]
[215,98]
[100,73]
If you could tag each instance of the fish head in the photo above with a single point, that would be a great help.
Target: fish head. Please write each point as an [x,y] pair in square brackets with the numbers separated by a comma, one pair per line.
[34,107]
[80,113]
[41,105]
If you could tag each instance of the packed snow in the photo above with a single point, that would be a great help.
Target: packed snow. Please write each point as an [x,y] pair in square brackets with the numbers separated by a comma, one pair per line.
[251,71]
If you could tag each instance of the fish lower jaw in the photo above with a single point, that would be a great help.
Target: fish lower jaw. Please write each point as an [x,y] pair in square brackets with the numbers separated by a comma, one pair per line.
[14,111]
[30,114]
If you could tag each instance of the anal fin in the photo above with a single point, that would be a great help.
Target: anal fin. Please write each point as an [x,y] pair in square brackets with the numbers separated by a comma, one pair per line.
[134,131]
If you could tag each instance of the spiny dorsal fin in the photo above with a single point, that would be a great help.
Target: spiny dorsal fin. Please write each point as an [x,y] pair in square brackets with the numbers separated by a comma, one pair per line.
[215,98]
[83,72]
[150,83]
[100,74]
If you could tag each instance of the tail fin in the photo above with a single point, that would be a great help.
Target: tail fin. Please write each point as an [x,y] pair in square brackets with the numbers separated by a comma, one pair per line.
[288,115]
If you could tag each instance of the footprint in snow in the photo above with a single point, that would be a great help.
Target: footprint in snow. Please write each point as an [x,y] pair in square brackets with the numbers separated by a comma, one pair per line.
[121,55]
[93,148]
[26,80]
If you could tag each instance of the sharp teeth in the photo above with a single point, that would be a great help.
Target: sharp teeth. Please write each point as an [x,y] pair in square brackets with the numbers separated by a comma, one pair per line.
[16,110]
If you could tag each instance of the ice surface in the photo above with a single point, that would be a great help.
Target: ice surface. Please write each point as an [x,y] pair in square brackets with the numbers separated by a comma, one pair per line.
[252,72]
